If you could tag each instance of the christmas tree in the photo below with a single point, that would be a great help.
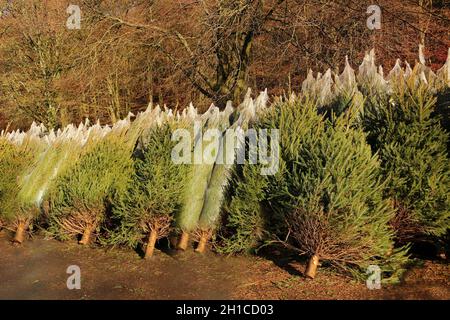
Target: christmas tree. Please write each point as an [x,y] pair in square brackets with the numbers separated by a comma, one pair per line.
[231,147]
[81,195]
[20,154]
[331,191]
[13,160]
[207,137]
[244,224]
[411,144]
[154,194]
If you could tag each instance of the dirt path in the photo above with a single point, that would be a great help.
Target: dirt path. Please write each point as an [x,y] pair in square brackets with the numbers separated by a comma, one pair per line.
[37,270]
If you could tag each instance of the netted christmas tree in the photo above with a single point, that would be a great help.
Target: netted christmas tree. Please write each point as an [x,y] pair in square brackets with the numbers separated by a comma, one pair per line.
[213,196]
[13,160]
[21,152]
[203,149]
[62,149]
[412,147]
[231,147]
[154,195]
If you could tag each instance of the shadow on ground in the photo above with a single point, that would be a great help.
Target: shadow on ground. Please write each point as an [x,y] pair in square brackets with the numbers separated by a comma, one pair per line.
[37,270]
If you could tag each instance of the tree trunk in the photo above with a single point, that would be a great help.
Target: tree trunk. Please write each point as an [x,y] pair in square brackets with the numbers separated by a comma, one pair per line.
[184,241]
[20,233]
[86,235]
[151,244]
[311,269]
[202,243]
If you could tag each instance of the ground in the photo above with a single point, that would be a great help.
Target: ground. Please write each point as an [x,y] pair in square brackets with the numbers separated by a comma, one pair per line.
[37,270]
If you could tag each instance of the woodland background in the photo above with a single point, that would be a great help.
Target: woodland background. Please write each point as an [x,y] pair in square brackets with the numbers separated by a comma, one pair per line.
[129,53]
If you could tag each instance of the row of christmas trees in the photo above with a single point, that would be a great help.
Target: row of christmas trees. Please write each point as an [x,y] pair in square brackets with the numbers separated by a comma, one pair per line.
[363,172]
[77,180]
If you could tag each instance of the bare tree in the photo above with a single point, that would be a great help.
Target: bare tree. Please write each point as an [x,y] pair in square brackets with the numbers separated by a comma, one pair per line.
[129,53]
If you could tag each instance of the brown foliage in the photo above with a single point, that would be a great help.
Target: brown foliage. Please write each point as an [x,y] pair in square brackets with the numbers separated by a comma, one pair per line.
[130,53]
[407,229]
[314,236]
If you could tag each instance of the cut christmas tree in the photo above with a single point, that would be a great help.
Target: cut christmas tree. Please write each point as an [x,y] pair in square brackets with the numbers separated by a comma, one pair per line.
[154,193]
[231,144]
[412,147]
[330,190]
[203,155]
[21,152]
[13,160]
[81,195]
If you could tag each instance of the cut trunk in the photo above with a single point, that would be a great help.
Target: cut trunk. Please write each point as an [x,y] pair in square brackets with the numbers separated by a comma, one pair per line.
[151,244]
[311,269]
[86,236]
[20,232]
[182,245]
[202,243]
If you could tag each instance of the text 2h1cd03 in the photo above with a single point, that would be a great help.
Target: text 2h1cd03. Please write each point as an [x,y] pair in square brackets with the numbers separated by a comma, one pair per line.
[249,309]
